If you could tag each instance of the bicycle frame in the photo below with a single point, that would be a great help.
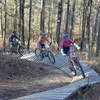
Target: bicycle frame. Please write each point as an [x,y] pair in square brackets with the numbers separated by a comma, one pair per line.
[45,51]
[75,62]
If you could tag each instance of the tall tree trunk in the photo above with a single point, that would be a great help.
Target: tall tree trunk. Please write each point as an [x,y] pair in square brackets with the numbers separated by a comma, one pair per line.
[59,21]
[30,19]
[67,17]
[94,28]
[89,11]
[49,22]
[84,16]
[73,18]
[98,39]
[1,23]
[21,20]
[53,22]
[42,17]
[88,26]
[15,16]
[4,39]
[23,37]
[19,23]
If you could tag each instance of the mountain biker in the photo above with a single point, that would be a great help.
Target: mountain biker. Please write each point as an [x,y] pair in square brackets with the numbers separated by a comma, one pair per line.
[65,46]
[12,38]
[42,40]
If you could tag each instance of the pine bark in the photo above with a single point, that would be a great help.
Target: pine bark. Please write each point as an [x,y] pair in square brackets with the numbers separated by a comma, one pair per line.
[59,19]
[67,17]
[98,39]
[4,39]
[21,21]
[73,18]
[30,20]
[42,17]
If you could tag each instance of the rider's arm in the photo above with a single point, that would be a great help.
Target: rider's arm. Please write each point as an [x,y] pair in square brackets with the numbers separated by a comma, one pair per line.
[78,48]
[61,50]
[48,41]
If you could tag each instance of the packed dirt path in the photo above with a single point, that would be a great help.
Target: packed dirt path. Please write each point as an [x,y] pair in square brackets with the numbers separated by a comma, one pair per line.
[19,77]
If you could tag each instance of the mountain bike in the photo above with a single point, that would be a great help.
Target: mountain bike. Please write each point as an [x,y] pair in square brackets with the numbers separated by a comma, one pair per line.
[16,47]
[41,53]
[74,62]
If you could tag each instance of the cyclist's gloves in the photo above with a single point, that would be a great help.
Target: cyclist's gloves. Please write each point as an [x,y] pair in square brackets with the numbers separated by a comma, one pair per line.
[78,48]
[61,50]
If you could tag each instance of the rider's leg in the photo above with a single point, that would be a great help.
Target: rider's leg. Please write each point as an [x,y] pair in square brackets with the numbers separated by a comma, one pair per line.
[41,46]
[66,53]
[71,64]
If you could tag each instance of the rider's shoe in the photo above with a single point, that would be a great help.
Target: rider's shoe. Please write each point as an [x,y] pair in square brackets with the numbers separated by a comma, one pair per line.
[73,73]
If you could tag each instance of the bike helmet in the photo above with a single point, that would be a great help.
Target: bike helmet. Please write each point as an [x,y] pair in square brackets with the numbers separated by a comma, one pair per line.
[14,32]
[43,34]
[65,35]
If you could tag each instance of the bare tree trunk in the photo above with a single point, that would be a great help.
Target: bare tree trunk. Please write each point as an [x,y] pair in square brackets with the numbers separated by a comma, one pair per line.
[59,21]
[30,19]
[1,23]
[89,11]
[88,26]
[42,17]
[21,20]
[53,21]
[15,16]
[67,17]
[23,37]
[49,21]
[73,18]
[49,32]
[98,39]
[19,23]
[94,28]
[4,39]
[83,25]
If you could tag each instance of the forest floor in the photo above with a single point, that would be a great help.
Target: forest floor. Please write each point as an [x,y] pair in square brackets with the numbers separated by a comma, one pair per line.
[21,77]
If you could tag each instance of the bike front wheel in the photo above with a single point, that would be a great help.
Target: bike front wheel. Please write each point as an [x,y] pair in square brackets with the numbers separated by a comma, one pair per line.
[77,62]
[39,54]
[51,57]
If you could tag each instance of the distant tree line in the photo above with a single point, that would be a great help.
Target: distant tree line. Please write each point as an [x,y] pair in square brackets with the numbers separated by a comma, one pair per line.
[79,18]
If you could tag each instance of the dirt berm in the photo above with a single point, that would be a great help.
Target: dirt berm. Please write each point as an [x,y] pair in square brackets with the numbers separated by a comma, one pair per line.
[19,77]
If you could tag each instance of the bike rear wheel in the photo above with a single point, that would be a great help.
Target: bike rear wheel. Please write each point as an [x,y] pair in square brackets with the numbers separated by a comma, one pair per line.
[51,57]
[13,50]
[38,53]
[77,62]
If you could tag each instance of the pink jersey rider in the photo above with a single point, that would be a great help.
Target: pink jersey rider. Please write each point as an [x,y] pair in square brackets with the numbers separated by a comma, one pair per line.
[65,44]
